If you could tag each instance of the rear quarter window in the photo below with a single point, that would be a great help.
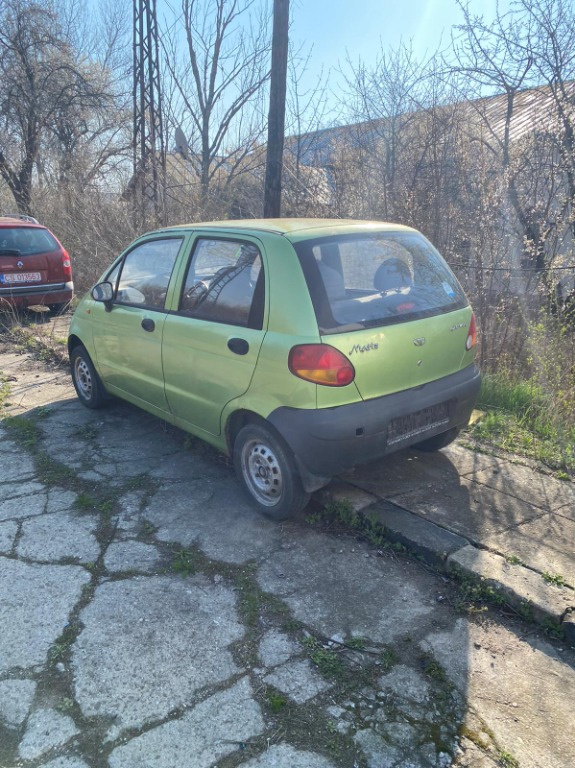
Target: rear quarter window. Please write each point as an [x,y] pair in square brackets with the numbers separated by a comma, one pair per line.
[362,281]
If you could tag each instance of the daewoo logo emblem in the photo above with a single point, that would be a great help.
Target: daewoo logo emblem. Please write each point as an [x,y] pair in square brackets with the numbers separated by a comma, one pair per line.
[20,264]
[419,342]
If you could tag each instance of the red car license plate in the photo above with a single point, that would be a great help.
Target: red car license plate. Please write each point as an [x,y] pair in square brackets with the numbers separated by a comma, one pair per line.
[22,277]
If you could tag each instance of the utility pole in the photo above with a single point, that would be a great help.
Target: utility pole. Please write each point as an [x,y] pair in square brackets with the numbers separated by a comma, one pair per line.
[276,116]
[149,152]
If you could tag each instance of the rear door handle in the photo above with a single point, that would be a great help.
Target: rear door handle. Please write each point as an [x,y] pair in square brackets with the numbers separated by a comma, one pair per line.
[148,324]
[238,346]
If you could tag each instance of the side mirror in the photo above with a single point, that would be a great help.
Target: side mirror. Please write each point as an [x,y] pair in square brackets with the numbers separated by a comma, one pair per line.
[103,292]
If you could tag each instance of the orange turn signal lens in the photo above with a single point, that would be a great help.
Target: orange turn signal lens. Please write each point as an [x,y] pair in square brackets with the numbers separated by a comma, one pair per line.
[321,364]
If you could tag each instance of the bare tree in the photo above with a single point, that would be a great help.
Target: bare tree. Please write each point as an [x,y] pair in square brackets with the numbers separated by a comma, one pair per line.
[44,90]
[219,81]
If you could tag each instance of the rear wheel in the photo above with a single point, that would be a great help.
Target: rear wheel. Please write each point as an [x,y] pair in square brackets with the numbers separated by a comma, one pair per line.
[58,309]
[86,381]
[267,472]
[437,442]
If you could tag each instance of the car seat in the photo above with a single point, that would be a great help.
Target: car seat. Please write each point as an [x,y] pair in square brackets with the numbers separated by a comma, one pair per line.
[392,275]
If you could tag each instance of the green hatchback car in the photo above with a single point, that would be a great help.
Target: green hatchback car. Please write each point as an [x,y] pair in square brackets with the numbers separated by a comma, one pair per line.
[299,347]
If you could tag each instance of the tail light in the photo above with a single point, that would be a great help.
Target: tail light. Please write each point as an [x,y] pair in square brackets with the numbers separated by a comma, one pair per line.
[66,264]
[321,364]
[471,334]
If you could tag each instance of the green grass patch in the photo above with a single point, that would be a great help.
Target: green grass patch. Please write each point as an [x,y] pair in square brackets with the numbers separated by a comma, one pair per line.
[23,430]
[521,418]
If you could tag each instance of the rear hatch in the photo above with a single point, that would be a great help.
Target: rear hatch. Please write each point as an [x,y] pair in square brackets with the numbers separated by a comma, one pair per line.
[388,301]
[405,355]
[28,256]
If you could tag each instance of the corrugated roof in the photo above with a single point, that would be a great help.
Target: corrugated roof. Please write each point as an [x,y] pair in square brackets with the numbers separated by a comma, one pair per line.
[534,111]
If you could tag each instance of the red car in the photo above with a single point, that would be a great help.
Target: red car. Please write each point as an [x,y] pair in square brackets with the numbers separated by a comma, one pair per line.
[34,267]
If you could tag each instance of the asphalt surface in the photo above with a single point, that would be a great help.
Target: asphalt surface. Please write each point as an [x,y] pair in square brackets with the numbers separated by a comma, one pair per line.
[150,618]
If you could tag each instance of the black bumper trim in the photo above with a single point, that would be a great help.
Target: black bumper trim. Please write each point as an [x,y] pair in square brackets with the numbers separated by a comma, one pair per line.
[329,440]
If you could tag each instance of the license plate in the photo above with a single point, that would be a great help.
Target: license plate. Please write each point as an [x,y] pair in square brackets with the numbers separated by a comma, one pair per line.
[418,423]
[21,277]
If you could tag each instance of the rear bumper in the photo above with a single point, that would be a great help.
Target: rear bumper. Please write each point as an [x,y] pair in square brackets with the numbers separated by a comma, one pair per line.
[29,295]
[329,440]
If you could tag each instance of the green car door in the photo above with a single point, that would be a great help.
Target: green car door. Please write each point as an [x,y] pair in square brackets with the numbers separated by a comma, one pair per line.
[212,340]
[128,334]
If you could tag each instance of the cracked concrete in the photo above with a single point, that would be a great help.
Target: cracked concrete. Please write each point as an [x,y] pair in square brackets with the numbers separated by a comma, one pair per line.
[149,617]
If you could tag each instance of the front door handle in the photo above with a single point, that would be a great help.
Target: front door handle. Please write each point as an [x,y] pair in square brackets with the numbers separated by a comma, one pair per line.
[148,324]
[238,346]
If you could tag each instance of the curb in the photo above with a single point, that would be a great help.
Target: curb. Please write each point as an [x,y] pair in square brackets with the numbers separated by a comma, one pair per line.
[523,588]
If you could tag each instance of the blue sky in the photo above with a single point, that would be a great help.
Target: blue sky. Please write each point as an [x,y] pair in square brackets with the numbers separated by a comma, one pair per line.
[334,29]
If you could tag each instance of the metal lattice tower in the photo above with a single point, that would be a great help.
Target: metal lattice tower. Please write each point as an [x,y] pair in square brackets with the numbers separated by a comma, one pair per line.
[149,152]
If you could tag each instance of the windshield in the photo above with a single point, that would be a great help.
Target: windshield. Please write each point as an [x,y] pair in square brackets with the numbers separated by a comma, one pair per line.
[361,281]
[26,241]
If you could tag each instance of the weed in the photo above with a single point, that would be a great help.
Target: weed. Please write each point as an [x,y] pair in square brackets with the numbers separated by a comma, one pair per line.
[185,563]
[553,629]
[85,502]
[52,472]
[327,662]
[276,702]
[433,669]
[23,430]
[525,610]
[342,511]
[387,659]
[65,706]
[553,578]
[506,760]
[357,643]
[4,390]
[61,647]
[87,431]
[514,560]
[250,598]
[149,528]
[106,507]
[475,590]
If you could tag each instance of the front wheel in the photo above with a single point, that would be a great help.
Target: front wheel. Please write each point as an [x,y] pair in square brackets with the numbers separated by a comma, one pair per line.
[87,383]
[267,472]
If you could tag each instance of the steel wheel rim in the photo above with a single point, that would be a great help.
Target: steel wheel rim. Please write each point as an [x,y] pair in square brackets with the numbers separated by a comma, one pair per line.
[262,472]
[83,378]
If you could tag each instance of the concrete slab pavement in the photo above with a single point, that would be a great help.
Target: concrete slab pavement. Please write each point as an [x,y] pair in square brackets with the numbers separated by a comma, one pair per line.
[150,618]
[510,524]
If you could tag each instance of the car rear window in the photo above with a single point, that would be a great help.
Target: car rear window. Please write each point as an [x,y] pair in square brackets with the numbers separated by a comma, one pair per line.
[27,241]
[363,281]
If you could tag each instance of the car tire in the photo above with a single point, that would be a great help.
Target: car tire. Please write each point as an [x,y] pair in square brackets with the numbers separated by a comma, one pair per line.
[87,383]
[267,472]
[437,442]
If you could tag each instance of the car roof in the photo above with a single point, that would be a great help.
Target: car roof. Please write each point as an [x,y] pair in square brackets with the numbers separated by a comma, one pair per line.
[16,221]
[296,229]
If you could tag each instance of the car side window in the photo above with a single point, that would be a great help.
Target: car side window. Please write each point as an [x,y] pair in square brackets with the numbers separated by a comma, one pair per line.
[224,283]
[146,271]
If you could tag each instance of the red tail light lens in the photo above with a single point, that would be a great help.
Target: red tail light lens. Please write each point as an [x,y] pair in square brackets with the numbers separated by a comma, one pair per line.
[66,264]
[471,334]
[321,364]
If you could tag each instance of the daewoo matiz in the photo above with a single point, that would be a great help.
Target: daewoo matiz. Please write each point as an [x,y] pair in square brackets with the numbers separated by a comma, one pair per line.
[299,347]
